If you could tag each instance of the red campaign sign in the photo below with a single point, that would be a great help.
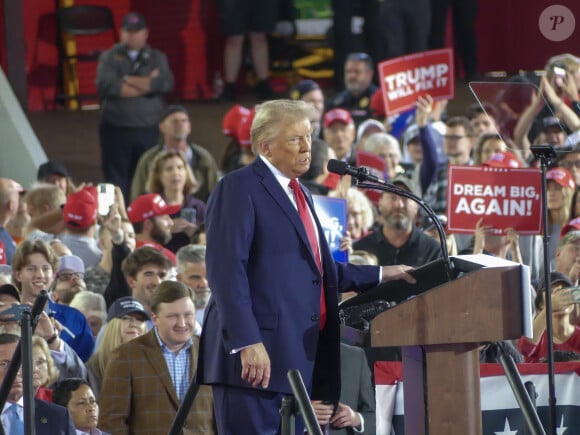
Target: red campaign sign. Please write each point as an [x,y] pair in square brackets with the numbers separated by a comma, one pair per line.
[504,197]
[377,167]
[405,78]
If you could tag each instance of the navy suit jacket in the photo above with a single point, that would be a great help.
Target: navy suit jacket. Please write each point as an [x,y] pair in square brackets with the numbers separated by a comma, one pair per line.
[266,287]
[51,419]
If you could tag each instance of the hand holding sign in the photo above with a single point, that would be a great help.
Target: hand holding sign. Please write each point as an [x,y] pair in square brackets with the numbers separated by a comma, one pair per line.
[406,78]
[514,245]
[480,233]
[424,108]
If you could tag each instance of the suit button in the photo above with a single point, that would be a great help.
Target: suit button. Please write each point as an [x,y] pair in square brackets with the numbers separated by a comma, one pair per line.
[316,281]
[315,318]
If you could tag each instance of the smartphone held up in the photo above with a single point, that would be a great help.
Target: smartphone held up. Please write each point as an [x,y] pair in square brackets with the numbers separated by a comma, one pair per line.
[105,197]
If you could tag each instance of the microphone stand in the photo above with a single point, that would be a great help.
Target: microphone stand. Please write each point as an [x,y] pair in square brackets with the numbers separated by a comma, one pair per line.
[184,408]
[303,402]
[27,369]
[545,153]
[24,349]
[386,187]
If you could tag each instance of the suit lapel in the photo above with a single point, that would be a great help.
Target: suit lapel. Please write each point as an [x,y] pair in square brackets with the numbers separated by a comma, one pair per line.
[155,357]
[281,197]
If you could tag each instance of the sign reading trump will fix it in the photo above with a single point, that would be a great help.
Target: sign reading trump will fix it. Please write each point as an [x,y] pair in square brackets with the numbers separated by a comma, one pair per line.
[405,78]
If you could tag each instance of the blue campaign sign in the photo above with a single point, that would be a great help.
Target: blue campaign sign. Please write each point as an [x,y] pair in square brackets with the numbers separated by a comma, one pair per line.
[332,213]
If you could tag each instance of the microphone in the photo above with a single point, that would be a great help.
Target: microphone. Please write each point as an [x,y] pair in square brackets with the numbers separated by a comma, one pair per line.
[361,174]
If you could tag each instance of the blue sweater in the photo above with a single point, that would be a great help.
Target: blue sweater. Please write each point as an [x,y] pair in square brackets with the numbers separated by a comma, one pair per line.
[76,332]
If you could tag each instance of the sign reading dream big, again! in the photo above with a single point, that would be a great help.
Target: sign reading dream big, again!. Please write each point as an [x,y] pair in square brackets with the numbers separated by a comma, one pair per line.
[503,197]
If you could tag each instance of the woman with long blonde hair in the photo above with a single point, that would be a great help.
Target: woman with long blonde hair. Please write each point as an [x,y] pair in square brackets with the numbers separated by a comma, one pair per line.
[126,320]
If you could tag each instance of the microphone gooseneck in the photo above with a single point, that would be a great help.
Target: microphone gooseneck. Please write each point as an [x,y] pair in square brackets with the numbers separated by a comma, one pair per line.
[361,174]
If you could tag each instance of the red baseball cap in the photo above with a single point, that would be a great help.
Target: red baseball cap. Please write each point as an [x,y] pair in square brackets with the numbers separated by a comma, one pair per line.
[503,159]
[237,124]
[244,135]
[80,210]
[573,225]
[562,177]
[336,115]
[148,206]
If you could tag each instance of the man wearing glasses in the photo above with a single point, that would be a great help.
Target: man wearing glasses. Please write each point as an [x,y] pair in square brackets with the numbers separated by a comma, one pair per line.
[69,279]
[356,98]
[457,145]
[49,418]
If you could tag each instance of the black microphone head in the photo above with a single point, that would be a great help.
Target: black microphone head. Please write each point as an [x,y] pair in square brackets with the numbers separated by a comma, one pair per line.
[337,167]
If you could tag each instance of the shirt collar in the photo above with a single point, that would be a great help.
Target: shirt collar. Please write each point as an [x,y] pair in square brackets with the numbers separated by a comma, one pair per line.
[280,177]
[188,153]
[164,347]
[20,402]
[95,431]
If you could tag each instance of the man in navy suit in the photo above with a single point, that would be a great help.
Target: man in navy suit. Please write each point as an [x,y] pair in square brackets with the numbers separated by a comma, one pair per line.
[274,283]
[49,419]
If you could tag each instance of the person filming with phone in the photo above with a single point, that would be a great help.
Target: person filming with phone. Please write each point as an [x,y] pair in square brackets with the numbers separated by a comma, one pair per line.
[553,110]
[566,333]
[172,178]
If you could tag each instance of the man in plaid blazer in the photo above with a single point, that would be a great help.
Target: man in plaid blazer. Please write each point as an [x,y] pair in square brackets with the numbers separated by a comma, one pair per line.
[146,378]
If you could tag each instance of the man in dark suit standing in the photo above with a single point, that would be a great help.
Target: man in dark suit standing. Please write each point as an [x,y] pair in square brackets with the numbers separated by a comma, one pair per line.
[274,283]
[49,419]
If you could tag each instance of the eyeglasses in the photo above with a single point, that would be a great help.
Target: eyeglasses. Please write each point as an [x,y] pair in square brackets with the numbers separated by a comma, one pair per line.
[4,364]
[569,165]
[64,277]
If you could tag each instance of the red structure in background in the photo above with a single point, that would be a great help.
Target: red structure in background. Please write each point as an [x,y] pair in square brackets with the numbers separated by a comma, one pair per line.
[187,31]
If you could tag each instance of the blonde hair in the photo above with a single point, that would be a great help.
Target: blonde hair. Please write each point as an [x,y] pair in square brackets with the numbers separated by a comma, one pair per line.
[110,341]
[154,178]
[271,114]
[363,258]
[569,60]
[28,247]
[53,373]
[355,196]
[44,194]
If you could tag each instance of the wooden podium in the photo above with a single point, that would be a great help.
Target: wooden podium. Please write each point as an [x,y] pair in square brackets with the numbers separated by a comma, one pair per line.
[440,332]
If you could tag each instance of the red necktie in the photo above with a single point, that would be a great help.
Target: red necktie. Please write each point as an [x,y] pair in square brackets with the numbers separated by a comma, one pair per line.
[311,233]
